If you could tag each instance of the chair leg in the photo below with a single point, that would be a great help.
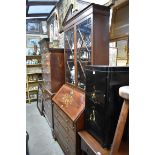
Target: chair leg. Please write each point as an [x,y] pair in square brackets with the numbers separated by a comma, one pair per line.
[120,128]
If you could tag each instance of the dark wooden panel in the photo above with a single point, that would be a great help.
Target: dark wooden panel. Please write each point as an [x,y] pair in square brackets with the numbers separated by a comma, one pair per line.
[100,47]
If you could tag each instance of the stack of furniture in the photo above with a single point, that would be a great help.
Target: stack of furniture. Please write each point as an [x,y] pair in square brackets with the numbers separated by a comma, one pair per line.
[86,42]
[34,76]
[53,77]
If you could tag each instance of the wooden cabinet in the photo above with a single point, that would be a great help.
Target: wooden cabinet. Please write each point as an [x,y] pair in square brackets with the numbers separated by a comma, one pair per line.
[86,42]
[53,76]
[68,118]
[53,69]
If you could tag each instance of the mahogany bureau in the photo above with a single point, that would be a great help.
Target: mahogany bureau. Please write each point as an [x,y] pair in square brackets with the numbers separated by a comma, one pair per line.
[68,118]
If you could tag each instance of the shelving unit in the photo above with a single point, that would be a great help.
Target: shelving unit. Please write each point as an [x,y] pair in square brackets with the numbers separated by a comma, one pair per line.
[34,76]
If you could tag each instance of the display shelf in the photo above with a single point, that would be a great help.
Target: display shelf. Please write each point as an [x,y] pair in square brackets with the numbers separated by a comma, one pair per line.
[36,90]
[33,65]
[33,99]
[35,81]
[33,57]
[33,74]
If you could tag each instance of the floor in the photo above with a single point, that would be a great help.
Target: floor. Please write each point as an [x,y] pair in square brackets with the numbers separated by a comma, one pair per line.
[41,141]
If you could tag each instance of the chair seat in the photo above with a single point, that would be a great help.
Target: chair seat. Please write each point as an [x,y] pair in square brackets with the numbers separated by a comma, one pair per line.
[124,92]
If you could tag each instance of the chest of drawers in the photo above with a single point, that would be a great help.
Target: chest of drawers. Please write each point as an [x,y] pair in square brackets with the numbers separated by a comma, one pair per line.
[68,118]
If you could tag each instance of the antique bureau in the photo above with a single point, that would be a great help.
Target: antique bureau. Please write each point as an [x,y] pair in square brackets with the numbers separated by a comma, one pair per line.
[68,118]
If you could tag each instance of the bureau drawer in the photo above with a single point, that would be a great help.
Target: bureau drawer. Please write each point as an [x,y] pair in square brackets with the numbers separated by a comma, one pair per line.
[65,118]
[67,125]
[69,138]
[69,149]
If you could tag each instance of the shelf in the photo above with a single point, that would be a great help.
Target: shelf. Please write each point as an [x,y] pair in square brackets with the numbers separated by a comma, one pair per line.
[35,81]
[33,99]
[33,65]
[34,73]
[33,57]
[36,90]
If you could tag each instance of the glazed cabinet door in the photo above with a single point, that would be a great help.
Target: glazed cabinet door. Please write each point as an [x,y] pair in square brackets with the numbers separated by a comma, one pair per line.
[69,56]
[83,38]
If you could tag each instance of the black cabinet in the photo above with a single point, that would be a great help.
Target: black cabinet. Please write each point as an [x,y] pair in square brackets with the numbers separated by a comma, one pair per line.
[103,103]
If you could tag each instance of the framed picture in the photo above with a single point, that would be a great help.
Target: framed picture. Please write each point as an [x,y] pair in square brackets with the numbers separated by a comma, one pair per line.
[32,40]
[33,27]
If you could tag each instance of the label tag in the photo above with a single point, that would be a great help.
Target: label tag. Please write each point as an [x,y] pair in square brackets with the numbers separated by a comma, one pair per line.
[93,72]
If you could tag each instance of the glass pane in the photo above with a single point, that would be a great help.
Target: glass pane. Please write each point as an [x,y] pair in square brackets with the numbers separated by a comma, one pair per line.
[40,9]
[69,54]
[83,50]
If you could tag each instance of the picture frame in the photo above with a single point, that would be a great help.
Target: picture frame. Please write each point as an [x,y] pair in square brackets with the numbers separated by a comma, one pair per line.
[32,40]
[33,27]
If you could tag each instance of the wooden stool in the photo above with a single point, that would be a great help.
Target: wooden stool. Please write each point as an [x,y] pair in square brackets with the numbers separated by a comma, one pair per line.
[124,93]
